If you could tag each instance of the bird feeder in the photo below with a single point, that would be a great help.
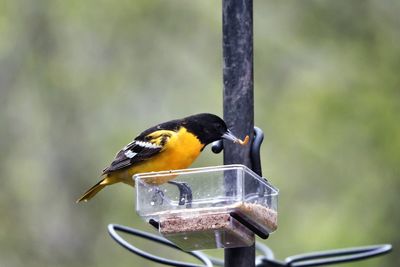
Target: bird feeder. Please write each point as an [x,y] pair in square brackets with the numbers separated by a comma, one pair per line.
[199,209]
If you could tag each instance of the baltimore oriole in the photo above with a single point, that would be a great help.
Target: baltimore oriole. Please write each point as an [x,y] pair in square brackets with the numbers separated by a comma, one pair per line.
[170,145]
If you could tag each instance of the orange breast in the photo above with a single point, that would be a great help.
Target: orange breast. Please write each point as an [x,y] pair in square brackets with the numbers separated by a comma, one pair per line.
[179,153]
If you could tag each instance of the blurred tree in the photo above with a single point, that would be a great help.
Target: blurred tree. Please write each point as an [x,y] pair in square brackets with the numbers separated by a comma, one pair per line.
[79,79]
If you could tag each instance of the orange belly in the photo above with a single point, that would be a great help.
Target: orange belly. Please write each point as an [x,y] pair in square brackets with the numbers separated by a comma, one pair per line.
[179,153]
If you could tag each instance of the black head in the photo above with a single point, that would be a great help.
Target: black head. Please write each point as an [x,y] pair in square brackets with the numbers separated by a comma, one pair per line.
[208,128]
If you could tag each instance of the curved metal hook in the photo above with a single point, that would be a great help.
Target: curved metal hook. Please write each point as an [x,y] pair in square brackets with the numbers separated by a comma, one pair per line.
[217,146]
[328,257]
[255,150]
[258,138]
[113,228]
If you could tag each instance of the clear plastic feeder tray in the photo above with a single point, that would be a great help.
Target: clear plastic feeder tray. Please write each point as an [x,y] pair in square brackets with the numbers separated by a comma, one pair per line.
[228,204]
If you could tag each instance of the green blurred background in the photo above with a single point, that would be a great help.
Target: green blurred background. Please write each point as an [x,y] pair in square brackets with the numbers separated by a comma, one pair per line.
[79,79]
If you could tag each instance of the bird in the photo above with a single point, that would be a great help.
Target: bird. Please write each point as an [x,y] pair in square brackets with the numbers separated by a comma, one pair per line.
[171,145]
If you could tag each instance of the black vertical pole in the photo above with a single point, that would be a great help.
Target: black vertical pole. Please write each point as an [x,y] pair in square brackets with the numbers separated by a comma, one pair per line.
[238,96]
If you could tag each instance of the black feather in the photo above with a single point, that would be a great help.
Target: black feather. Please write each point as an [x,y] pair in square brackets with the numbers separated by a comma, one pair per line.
[121,161]
[206,127]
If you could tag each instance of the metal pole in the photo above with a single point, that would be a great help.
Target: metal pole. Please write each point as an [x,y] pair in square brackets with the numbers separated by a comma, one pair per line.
[238,96]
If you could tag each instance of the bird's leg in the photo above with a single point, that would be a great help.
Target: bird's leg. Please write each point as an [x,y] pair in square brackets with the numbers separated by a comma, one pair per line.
[158,196]
[185,193]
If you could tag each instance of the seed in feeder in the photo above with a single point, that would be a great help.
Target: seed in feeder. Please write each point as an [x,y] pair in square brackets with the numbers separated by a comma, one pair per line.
[266,217]
[208,229]
[201,219]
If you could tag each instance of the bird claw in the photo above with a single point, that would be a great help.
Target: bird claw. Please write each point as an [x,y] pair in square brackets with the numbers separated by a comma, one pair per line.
[158,197]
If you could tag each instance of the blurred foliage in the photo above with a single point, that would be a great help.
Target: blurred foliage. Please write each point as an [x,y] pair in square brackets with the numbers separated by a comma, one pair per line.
[79,79]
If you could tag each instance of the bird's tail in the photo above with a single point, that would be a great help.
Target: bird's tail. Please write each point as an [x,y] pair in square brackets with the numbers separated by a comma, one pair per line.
[96,188]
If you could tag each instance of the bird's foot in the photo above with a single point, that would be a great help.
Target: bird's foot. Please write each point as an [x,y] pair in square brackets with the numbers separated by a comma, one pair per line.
[158,197]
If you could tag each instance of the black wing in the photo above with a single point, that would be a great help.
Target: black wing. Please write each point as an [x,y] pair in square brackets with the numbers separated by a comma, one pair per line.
[135,152]
[146,145]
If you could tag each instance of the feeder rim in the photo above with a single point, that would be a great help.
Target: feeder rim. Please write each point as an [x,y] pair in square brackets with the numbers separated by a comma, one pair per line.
[139,176]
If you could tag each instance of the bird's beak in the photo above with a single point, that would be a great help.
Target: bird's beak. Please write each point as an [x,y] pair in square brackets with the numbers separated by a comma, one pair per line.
[229,136]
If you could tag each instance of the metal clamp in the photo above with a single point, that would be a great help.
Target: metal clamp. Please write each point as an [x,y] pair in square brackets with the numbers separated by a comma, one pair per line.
[258,138]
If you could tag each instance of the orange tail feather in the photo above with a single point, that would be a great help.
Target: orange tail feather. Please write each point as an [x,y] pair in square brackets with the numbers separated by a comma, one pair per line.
[95,189]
